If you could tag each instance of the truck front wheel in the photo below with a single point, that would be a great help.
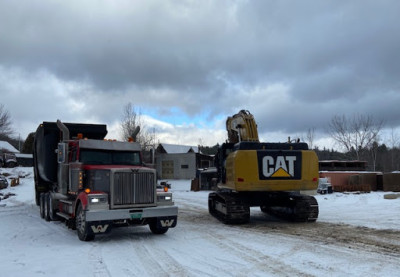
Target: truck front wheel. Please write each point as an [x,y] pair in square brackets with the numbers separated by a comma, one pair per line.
[82,227]
[156,229]
[11,164]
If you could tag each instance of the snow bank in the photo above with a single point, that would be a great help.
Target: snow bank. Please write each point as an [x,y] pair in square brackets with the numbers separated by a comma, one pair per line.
[365,209]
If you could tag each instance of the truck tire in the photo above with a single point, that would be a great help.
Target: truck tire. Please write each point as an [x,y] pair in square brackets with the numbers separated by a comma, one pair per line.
[11,164]
[46,200]
[41,204]
[52,211]
[82,228]
[157,230]
[37,198]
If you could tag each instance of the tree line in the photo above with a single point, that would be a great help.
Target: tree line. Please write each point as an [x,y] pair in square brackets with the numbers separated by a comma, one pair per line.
[358,136]
[386,159]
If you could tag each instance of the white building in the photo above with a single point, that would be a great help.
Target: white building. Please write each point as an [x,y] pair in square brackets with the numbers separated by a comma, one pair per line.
[180,161]
[6,147]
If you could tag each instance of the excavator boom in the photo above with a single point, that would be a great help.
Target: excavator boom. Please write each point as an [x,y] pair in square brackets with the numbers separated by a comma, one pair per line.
[242,127]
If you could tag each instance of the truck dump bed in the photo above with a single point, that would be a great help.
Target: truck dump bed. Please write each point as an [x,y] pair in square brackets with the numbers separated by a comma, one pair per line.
[47,137]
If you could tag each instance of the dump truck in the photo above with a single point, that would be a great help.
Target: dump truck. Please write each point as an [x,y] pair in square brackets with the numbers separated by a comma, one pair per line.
[95,184]
[270,175]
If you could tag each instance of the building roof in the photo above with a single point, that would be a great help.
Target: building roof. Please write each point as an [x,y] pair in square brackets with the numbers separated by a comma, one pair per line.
[24,156]
[178,149]
[7,147]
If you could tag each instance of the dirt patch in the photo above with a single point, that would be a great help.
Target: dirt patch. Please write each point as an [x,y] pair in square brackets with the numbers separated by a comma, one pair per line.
[375,240]
[6,195]
[347,236]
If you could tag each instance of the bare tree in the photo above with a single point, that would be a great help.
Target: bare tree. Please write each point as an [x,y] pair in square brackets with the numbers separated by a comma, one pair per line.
[5,123]
[374,153]
[310,137]
[394,143]
[357,132]
[132,119]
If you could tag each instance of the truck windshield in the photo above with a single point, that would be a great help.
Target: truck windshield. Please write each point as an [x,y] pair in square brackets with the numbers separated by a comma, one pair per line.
[99,157]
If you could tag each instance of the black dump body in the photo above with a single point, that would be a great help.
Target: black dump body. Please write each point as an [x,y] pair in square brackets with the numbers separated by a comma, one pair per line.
[47,137]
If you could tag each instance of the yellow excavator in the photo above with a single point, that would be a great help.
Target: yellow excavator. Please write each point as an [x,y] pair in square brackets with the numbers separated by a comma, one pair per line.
[268,175]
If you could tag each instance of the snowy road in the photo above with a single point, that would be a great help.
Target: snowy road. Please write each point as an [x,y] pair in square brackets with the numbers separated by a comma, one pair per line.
[336,245]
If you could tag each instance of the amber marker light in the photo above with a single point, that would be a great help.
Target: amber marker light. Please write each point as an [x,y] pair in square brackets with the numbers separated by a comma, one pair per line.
[87,190]
[80,180]
[166,189]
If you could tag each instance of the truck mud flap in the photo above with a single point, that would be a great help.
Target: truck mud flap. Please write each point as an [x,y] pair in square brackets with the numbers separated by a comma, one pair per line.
[100,227]
[167,221]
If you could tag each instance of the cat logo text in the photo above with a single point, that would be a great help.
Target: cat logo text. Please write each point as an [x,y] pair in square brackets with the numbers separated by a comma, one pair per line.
[280,166]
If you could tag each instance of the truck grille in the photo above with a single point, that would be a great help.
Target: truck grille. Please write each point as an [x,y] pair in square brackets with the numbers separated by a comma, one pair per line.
[133,189]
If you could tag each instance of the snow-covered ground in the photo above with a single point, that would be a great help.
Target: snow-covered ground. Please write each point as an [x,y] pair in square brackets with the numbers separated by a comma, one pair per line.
[355,235]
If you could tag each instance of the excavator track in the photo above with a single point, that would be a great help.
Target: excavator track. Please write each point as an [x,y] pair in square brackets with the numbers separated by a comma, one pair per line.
[227,207]
[294,207]
[232,208]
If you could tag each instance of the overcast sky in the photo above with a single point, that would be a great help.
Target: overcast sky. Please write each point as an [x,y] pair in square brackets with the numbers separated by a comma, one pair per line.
[187,65]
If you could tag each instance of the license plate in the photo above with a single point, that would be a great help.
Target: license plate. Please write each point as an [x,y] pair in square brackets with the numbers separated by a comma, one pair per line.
[136,216]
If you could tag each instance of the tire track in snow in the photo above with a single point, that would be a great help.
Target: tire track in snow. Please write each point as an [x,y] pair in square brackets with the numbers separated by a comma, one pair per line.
[144,254]
[363,238]
[215,232]
[12,210]
[28,216]
[339,238]
[252,259]
[95,257]
[150,260]
[163,258]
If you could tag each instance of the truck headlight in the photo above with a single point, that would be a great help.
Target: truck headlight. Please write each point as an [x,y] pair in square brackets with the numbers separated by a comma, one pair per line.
[95,200]
[98,199]
[164,198]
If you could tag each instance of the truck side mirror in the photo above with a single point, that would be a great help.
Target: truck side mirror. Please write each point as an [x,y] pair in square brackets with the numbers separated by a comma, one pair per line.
[61,153]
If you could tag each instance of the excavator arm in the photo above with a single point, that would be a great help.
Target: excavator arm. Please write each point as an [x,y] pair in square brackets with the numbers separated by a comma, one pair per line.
[242,127]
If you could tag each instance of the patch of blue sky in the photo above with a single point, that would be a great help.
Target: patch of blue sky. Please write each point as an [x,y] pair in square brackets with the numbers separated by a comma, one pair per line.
[177,117]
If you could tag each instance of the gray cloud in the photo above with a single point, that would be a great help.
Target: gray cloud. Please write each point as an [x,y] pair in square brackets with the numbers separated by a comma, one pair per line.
[293,64]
